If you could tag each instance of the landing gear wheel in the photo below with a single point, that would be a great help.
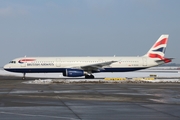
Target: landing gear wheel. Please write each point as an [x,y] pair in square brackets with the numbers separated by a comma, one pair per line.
[89,76]
[92,76]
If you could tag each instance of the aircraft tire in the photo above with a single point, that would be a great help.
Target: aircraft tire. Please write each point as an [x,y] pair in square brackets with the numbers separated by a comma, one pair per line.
[92,76]
[89,76]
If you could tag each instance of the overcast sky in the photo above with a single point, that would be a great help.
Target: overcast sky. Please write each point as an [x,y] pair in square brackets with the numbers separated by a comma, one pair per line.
[87,27]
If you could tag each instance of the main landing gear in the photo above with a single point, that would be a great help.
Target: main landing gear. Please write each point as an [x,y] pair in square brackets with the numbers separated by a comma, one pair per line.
[89,76]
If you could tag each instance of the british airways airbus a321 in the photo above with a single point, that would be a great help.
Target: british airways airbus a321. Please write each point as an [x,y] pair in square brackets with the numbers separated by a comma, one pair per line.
[86,66]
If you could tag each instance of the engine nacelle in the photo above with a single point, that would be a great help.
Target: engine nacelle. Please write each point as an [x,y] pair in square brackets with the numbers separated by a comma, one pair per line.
[73,73]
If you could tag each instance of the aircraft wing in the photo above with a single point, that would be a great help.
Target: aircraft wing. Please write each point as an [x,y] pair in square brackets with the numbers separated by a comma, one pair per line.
[96,66]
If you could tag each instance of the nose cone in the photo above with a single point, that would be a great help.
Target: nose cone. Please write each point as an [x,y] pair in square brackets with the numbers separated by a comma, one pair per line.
[6,67]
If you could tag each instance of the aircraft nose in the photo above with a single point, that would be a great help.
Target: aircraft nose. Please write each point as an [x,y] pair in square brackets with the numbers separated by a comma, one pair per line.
[6,66]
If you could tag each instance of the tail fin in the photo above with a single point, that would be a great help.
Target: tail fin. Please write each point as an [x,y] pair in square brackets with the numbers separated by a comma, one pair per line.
[158,49]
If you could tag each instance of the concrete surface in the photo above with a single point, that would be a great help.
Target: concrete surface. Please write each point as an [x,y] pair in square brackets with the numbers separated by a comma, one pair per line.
[88,101]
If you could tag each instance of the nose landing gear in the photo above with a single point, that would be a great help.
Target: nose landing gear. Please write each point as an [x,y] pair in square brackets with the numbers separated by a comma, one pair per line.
[24,76]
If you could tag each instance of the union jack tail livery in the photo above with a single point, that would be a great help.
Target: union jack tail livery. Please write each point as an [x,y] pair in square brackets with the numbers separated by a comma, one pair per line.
[158,49]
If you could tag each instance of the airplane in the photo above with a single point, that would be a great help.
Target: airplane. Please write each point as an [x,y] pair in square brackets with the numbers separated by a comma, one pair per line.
[86,66]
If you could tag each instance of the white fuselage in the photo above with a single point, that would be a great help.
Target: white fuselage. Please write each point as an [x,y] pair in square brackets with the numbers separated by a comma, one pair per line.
[59,64]
[85,66]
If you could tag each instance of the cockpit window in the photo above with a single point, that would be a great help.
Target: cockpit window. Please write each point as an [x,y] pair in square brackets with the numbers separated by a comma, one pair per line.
[12,62]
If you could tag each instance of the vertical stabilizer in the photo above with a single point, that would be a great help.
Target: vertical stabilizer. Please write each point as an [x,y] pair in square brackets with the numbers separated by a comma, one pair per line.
[158,49]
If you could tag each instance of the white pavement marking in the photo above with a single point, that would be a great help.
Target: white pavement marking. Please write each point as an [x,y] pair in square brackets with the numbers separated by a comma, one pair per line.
[30,115]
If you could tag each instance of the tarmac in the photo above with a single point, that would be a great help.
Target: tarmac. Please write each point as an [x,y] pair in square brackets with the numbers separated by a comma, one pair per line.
[88,101]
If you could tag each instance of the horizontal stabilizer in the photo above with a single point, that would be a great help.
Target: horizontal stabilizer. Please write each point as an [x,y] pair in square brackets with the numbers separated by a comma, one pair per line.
[165,60]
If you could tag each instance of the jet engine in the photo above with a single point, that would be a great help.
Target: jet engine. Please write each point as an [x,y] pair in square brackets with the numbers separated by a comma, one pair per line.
[73,73]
